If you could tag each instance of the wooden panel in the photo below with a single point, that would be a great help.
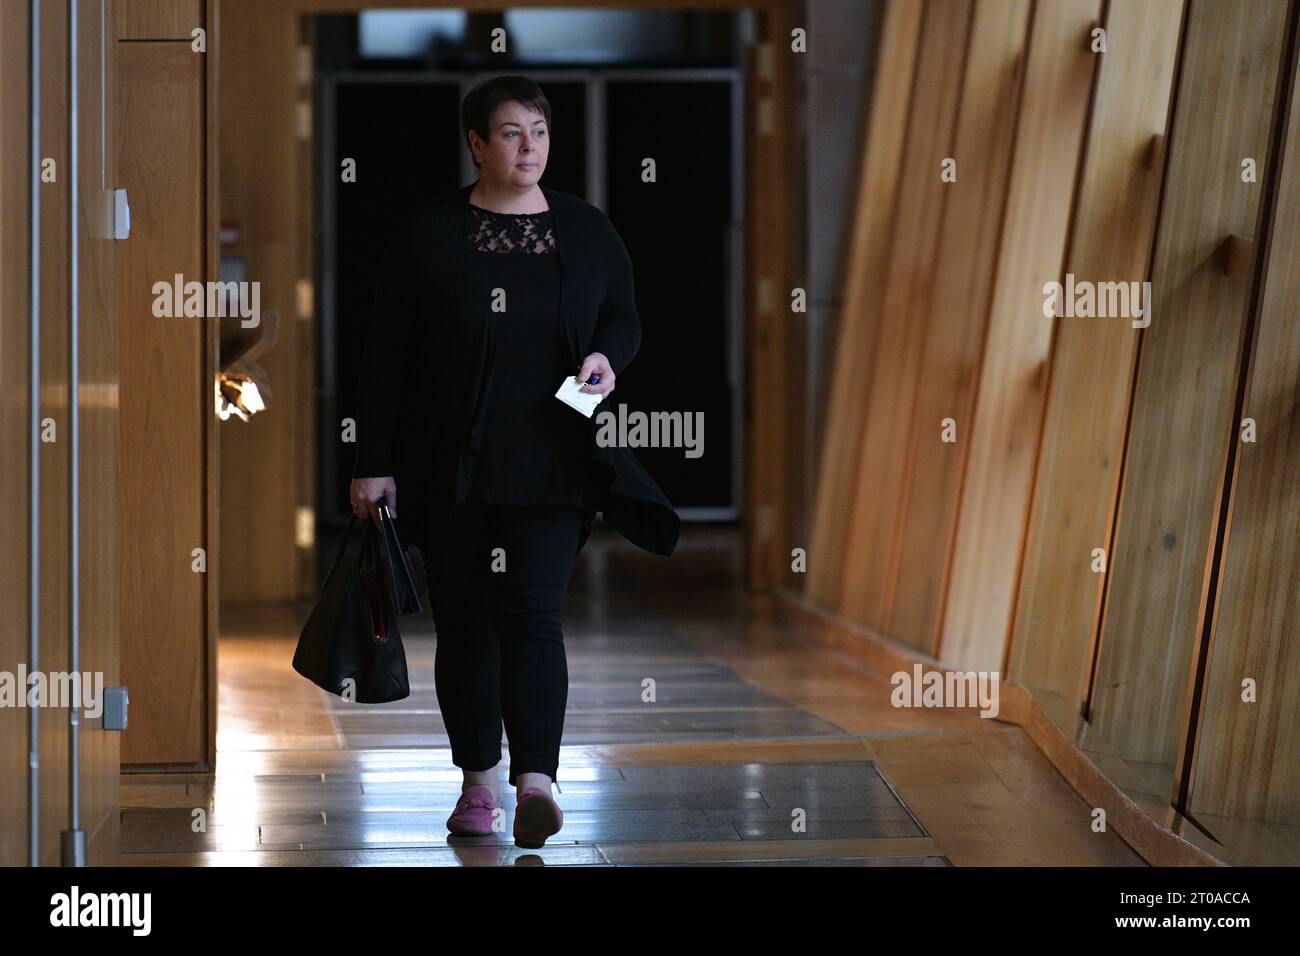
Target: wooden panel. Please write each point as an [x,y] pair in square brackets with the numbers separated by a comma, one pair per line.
[258,191]
[1008,409]
[1248,757]
[158,19]
[54,567]
[1092,362]
[15,421]
[100,577]
[97,407]
[165,400]
[963,281]
[906,307]
[211,368]
[769,252]
[1187,380]
[860,318]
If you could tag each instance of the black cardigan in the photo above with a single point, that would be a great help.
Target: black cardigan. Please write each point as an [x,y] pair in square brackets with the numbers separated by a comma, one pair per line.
[425,352]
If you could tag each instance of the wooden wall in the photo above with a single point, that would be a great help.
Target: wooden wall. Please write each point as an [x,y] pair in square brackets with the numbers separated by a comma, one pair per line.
[1243,773]
[1098,528]
[887,120]
[97,403]
[268,476]
[1092,363]
[15,419]
[165,155]
[1188,372]
[907,300]
[1003,432]
[946,380]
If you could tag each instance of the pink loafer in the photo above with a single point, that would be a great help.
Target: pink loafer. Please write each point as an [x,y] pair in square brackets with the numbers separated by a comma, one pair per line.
[537,816]
[473,813]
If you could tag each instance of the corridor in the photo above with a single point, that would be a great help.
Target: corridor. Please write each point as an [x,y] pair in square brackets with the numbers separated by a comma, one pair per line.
[749,726]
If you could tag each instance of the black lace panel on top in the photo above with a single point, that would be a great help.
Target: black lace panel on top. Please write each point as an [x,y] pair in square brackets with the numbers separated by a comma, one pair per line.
[511,232]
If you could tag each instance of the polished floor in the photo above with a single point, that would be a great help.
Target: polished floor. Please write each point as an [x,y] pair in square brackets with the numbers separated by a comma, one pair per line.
[697,732]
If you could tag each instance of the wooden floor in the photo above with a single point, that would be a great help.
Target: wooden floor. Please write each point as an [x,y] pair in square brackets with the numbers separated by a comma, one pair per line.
[759,749]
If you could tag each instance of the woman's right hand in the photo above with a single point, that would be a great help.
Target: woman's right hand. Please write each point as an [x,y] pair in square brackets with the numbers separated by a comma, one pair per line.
[366,493]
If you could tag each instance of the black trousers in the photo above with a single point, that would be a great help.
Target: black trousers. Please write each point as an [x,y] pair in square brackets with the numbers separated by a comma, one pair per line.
[497,579]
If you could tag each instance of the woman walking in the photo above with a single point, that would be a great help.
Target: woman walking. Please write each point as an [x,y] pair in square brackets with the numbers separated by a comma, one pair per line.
[489,296]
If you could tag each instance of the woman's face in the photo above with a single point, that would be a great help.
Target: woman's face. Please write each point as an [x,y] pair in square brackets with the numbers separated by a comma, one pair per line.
[515,155]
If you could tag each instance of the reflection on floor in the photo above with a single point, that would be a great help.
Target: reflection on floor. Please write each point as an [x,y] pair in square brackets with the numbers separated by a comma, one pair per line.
[757,749]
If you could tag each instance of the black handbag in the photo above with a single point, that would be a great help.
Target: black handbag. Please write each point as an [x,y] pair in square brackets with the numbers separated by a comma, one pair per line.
[351,645]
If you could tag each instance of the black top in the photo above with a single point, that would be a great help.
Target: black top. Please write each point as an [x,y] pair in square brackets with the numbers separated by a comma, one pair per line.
[423,366]
[525,446]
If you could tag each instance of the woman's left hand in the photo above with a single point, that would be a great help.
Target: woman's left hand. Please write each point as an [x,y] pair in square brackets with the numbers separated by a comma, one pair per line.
[596,364]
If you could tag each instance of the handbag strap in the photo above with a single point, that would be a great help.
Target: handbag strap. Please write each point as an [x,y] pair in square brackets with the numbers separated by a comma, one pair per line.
[394,557]
[392,542]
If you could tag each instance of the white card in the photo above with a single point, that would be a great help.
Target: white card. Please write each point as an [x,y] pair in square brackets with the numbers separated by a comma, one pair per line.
[571,395]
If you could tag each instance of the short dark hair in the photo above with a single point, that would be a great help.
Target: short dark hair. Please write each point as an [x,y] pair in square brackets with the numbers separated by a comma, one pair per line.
[483,100]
